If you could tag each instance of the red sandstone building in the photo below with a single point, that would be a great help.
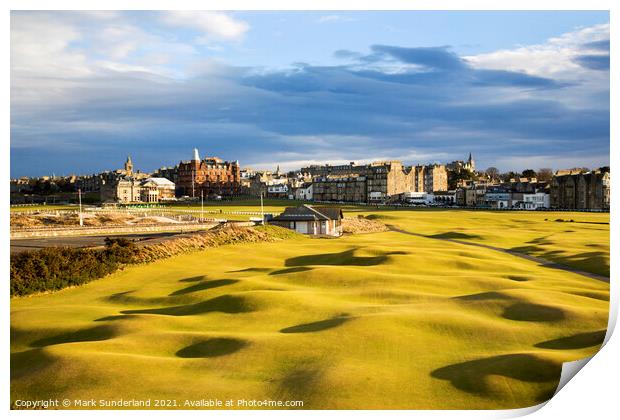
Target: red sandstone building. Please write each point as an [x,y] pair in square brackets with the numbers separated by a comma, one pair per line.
[209,176]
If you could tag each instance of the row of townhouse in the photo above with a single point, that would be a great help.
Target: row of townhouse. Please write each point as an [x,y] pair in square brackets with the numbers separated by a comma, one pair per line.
[377,182]
[502,198]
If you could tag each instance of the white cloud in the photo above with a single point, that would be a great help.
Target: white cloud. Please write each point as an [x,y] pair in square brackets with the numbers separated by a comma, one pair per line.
[41,45]
[334,18]
[519,163]
[554,58]
[212,24]
[97,80]
[557,59]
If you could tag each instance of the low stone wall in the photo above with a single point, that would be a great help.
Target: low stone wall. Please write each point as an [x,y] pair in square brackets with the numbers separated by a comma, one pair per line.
[103,230]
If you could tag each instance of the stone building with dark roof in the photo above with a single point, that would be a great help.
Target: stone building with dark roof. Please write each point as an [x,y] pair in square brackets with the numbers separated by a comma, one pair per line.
[310,220]
[209,176]
[580,190]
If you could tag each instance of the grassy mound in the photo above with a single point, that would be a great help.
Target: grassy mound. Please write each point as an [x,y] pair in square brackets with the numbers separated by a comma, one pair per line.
[377,321]
[362,224]
[278,232]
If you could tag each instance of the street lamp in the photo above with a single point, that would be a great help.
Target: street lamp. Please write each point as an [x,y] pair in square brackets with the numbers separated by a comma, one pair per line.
[262,211]
[80,206]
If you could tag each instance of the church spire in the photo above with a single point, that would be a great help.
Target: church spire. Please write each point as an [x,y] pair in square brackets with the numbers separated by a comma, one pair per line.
[128,165]
[470,163]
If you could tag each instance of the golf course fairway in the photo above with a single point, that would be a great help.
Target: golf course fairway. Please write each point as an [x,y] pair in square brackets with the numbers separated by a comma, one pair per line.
[418,317]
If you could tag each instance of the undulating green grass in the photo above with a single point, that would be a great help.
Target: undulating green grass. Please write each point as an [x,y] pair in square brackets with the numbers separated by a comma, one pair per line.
[381,320]
[582,243]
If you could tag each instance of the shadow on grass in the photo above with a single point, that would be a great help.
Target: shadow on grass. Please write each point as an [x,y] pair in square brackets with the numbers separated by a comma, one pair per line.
[483,296]
[226,303]
[543,240]
[596,262]
[126,298]
[29,362]
[251,270]
[533,312]
[471,376]
[122,297]
[213,347]
[518,278]
[204,285]
[290,270]
[455,235]
[341,258]
[316,326]
[114,318]
[604,296]
[300,383]
[577,341]
[529,249]
[379,217]
[99,333]
[192,279]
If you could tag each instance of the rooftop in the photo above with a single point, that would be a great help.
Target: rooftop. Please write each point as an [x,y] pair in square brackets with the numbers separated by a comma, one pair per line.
[306,212]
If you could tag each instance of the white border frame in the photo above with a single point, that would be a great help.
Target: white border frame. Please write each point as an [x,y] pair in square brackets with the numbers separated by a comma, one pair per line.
[591,394]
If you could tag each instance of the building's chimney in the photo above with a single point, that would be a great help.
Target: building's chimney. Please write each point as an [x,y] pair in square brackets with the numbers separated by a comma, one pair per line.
[196,155]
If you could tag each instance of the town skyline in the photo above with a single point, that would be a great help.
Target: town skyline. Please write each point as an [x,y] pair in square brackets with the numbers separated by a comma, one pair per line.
[276,165]
[517,89]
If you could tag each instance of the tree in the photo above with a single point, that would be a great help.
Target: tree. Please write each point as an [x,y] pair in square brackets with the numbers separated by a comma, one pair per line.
[528,173]
[507,176]
[455,176]
[544,174]
[492,172]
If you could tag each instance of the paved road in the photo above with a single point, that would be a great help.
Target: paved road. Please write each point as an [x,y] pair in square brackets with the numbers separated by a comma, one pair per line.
[538,260]
[22,245]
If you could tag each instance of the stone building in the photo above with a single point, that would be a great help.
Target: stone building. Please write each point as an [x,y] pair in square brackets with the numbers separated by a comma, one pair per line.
[533,201]
[95,182]
[346,189]
[387,180]
[155,190]
[279,190]
[269,184]
[459,166]
[133,190]
[245,179]
[376,182]
[208,176]
[259,182]
[418,179]
[122,190]
[577,189]
[308,220]
[171,173]
[473,194]
[304,192]
[526,185]
[435,178]
[447,198]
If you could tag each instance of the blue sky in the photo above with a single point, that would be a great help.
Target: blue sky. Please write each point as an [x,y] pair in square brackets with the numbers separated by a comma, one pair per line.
[517,89]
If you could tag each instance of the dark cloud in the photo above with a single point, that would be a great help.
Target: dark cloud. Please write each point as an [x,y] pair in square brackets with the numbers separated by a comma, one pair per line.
[594,62]
[434,105]
[602,45]
[436,58]
[347,54]
[513,78]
